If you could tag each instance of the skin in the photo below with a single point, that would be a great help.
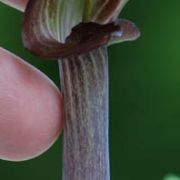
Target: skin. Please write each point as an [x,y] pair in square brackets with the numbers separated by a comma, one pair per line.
[18,4]
[31,115]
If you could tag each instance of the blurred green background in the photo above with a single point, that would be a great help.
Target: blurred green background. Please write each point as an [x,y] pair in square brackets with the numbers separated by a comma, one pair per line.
[144,97]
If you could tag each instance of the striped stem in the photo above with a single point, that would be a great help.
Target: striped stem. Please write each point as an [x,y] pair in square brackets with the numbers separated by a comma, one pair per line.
[85,88]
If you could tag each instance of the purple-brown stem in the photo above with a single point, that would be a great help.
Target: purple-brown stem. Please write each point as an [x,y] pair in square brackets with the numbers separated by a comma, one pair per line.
[85,88]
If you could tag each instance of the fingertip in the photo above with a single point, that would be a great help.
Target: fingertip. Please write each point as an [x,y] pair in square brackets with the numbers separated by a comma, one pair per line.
[31,116]
[17,4]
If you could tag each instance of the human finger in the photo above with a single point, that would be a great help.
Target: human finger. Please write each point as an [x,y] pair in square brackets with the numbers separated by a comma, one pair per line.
[18,4]
[31,115]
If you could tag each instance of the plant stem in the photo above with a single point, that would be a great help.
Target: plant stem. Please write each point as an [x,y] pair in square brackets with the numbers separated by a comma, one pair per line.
[84,81]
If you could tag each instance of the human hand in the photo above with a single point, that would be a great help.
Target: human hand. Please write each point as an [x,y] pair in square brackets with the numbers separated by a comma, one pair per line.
[30,106]
[18,4]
